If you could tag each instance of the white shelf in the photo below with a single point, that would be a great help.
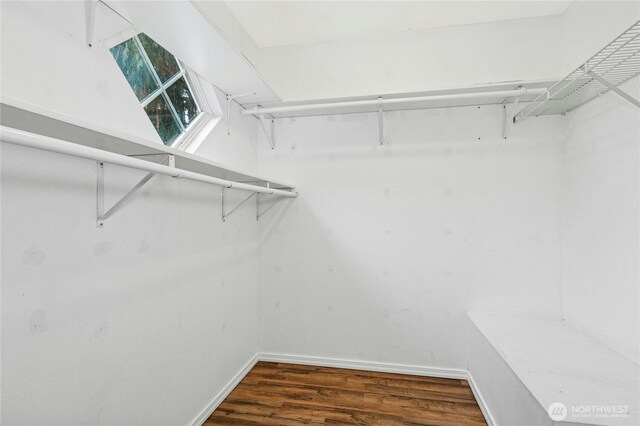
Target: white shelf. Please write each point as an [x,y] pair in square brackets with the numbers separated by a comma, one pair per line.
[559,363]
[616,63]
[37,122]
[418,100]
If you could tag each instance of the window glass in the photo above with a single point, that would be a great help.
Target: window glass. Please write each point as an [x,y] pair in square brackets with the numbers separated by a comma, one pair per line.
[134,68]
[164,63]
[163,120]
[182,100]
[160,83]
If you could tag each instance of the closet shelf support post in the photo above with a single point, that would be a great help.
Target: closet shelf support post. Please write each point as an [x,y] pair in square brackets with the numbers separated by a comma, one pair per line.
[509,119]
[380,122]
[100,213]
[230,98]
[225,215]
[100,195]
[90,16]
[270,135]
[259,213]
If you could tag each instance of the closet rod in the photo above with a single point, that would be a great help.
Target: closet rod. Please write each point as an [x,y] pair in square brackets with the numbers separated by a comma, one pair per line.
[33,140]
[381,101]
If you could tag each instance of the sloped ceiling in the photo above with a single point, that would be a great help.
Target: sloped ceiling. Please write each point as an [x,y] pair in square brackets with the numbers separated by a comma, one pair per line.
[279,23]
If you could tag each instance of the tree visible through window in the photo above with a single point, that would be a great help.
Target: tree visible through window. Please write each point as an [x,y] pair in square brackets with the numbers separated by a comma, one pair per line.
[160,83]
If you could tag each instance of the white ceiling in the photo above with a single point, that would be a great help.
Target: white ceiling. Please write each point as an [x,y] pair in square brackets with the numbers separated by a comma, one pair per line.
[277,23]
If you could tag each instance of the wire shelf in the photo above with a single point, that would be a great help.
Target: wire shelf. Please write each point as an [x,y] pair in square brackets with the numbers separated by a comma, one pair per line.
[618,62]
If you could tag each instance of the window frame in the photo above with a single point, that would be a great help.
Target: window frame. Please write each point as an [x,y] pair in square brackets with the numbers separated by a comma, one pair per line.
[199,128]
[203,93]
[161,91]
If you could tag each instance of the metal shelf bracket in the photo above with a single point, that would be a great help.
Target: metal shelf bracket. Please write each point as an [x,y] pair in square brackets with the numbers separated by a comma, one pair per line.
[90,15]
[270,135]
[101,216]
[509,119]
[230,98]
[225,215]
[380,122]
[259,213]
[614,88]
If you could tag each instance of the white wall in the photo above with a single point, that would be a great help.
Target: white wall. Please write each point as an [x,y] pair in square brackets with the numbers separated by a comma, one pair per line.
[516,50]
[139,323]
[387,248]
[601,211]
[588,26]
[418,60]
[46,62]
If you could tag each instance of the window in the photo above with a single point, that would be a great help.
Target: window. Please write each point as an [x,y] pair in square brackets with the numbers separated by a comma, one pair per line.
[161,84]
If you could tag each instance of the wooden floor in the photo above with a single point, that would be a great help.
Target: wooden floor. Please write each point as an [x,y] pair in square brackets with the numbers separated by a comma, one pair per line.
[287,394]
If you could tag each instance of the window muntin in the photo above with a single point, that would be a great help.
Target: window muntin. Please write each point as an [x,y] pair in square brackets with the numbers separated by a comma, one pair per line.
[160,83]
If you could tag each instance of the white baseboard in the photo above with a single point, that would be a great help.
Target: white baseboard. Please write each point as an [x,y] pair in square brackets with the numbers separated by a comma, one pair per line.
[480,400]
[384,367]
[217,400]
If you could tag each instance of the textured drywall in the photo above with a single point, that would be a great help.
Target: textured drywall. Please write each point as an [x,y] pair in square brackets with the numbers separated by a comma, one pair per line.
[387,247]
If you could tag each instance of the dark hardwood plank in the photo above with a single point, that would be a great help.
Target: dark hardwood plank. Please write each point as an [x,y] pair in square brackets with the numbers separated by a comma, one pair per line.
[288,394]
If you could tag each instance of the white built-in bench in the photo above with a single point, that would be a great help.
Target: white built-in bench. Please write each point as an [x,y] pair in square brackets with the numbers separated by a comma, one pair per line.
[559,363]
